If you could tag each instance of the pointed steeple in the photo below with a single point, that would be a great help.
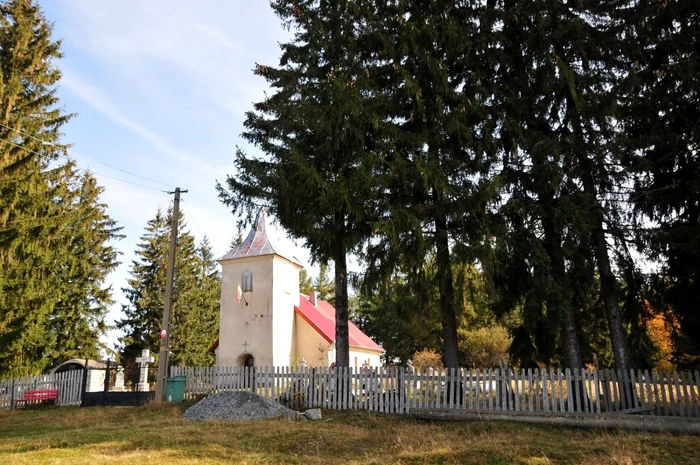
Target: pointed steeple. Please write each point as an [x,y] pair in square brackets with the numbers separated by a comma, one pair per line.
[257,243]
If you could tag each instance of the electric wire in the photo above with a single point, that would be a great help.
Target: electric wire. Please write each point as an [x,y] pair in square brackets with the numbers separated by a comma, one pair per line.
[20,146]
[189,213]
[27,134]
[134,174]
[99,174]
[96,161]
[131,182]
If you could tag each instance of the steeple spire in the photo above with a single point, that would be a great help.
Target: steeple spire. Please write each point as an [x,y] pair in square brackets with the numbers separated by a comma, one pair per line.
[257,243]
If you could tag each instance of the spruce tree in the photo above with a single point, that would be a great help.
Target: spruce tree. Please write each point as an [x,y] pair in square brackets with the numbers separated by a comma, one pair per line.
[317,132]
[196,317]
[82,265]
[195,307]
[146,291]
[435,197]
[306,284]
[54,233]
[324,285]
[659,107]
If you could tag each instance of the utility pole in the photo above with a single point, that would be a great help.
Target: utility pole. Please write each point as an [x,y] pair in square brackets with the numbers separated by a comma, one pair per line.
[165,331]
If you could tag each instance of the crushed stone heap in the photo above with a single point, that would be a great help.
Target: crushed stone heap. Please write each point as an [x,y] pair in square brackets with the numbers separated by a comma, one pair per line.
[236,406]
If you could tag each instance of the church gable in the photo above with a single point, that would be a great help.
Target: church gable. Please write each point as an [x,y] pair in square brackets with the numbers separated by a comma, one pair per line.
[321,317]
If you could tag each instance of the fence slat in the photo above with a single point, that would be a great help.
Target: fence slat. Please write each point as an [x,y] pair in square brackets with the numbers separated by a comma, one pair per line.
[684,392]
[633,389]
[529,390]
[695,392]
[679,398]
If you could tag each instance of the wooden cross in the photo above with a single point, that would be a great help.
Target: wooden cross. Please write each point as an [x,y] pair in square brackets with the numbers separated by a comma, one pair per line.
[245,346]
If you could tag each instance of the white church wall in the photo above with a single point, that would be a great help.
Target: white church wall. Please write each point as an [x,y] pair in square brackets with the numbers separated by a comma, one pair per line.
[285,292]
[246,329]
[309,344]
[358,357]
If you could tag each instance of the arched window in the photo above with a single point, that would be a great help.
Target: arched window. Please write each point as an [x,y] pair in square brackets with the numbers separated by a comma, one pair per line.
[247,281]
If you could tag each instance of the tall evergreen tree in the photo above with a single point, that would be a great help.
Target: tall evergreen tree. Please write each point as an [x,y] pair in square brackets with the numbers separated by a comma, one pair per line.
[85,259]
[659,106]
[196,317]
[54,233]
[195,307]
[324,285]
[317,133]
[435,196]
[146,291]
[306,284]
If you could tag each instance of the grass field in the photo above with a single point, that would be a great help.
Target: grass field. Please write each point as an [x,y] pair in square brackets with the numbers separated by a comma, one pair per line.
[158,435]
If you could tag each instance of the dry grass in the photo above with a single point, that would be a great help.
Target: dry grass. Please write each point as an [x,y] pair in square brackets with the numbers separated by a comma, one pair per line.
[157,434]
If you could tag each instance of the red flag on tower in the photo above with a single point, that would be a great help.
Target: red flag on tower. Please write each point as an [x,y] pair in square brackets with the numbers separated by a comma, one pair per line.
[239,293]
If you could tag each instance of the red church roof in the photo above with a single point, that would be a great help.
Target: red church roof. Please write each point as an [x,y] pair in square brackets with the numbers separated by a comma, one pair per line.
[321,317]
[257,243]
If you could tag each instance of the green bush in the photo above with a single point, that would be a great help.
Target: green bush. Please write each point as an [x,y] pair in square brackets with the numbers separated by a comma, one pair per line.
[484,347]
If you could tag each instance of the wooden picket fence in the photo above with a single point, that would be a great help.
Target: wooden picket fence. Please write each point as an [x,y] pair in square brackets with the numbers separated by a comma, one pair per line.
[69,385]
[398,390]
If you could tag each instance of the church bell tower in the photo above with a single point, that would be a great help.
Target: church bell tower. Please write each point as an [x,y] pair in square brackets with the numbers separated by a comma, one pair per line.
[259,289]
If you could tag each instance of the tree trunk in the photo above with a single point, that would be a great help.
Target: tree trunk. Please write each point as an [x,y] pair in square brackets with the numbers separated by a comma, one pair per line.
[608,285]
[608,293]
[342,342]
[569,340]
[450,349]
[570,345]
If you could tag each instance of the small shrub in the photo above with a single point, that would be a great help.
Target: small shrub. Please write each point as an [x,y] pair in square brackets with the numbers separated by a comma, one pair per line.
[485,347]
[427,358]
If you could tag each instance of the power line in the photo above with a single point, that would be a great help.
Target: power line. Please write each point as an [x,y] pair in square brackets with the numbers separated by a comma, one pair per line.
[134,174]
[101,163]
[21,146]
[27,134]
[192,217]
[99,174]
[131,182]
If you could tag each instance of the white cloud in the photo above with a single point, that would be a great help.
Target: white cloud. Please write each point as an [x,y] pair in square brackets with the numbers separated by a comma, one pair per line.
[177,75]
[195,38]
[100,102]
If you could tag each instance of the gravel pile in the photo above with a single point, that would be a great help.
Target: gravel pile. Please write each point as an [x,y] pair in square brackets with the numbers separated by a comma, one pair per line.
[235,406]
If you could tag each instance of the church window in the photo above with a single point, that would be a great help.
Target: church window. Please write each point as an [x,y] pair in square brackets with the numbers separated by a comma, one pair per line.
[247,281]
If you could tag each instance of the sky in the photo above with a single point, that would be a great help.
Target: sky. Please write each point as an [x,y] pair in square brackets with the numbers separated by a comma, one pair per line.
[160,89]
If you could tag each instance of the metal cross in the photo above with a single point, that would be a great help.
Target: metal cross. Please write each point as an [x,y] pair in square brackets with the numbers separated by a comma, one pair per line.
[245,346]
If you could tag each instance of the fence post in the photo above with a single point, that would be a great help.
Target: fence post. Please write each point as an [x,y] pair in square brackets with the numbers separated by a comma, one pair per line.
[83,390]
[12,395]
[105,391]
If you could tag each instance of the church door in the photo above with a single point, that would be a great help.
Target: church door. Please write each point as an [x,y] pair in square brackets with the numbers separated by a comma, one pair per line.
[248,362]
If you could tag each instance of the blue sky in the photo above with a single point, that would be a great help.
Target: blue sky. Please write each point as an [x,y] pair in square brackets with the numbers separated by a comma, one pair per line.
[161,88]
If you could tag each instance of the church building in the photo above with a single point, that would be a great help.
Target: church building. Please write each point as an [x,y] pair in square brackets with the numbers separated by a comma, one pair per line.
[267,322]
